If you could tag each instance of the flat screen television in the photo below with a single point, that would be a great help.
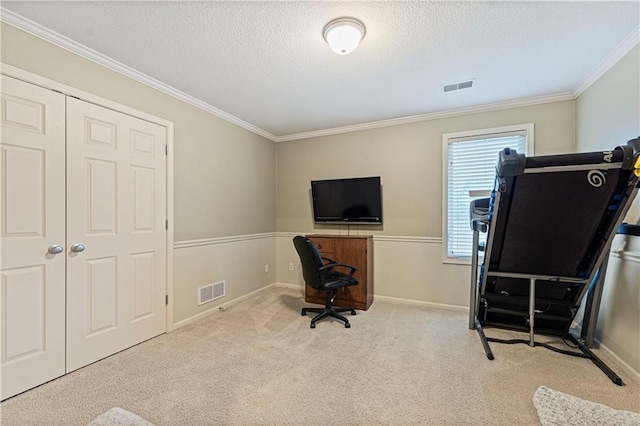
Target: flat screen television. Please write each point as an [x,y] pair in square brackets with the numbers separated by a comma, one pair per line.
[347,201]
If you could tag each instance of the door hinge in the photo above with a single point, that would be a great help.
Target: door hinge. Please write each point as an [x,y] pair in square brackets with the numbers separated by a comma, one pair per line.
[166,224]
[166,149]
[166,299]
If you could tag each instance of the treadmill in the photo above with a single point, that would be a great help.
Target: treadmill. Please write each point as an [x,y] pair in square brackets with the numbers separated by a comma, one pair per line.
[550,222]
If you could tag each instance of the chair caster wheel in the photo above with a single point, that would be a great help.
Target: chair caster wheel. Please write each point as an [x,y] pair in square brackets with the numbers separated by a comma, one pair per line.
[347,325]
[312,325]
[353,312]
[303,313]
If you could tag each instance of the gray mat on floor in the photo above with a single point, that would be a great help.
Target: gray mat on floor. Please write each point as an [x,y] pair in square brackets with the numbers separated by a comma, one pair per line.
[119,417]
[560,409]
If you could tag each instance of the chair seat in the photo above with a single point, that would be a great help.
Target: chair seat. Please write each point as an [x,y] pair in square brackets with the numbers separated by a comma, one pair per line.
[338,280]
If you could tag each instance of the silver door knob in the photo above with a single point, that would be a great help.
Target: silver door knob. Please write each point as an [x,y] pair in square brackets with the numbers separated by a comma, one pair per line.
[77,248]
[55,249]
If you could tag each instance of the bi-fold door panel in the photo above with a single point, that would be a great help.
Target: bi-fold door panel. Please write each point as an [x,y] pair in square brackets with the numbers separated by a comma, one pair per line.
[32,199]
[116,211]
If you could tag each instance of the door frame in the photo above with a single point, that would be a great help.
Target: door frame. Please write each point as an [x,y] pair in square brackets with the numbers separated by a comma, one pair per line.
[28,77]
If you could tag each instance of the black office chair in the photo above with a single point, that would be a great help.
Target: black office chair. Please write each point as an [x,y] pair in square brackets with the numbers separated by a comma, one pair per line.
[323,277]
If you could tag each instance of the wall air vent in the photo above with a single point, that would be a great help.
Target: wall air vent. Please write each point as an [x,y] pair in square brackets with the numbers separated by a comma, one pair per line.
[218,290]
[210,292]
[451,87]
[457,86]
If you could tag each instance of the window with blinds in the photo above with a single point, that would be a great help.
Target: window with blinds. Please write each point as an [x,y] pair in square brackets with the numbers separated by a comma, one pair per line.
[470,173]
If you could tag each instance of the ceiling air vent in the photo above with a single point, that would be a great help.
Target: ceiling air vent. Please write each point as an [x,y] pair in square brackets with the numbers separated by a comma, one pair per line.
[457,86]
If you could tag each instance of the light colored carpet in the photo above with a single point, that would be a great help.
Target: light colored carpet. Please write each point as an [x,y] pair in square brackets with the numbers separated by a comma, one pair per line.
[258,362]
[119,417]
[559,409]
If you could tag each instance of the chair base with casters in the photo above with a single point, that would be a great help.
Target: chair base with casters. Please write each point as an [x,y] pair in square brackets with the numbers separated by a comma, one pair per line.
[329,311]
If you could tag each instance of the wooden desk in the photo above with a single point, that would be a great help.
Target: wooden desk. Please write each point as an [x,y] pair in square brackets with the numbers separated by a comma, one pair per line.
[356,251]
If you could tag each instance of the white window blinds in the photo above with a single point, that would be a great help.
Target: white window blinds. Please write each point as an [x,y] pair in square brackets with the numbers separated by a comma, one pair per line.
[471,166]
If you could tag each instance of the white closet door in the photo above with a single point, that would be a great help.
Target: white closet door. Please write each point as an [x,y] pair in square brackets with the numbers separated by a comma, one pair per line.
[116,206]
[32,197]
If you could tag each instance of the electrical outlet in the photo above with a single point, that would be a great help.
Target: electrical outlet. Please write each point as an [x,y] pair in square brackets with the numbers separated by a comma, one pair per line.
[266,268]
[291,266]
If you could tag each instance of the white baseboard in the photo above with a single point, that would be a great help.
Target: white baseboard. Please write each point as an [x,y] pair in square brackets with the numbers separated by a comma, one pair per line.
[421,303]
[393,299]
[223,306]
[635,375]
[287,285]
[218,308]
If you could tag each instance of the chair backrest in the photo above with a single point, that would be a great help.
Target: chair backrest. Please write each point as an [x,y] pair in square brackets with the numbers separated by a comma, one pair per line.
[311,260]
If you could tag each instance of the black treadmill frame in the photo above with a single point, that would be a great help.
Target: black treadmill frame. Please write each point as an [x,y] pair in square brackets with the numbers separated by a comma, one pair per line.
[630,161]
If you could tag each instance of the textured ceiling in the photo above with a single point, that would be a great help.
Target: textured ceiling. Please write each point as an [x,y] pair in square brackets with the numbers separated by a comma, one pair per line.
[267,64]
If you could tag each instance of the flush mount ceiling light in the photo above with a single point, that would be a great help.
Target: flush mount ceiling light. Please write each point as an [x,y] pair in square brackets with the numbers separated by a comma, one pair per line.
[344,34]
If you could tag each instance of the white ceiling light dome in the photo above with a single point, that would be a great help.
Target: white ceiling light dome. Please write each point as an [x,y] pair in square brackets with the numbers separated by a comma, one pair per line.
[344,34]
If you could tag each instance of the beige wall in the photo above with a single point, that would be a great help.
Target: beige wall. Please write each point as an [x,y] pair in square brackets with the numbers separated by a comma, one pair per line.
[408,158]
[240,263]
[225,185]
[608,114]
[224,176]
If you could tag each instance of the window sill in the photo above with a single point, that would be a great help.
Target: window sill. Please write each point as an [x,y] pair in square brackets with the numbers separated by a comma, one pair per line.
[457,261]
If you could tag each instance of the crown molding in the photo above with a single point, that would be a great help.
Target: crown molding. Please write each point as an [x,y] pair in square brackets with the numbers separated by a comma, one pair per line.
[66,43]
[610,60]
[497,106]
[38,80]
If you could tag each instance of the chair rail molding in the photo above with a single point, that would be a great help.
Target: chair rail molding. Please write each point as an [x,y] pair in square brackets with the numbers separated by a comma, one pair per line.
[221,240]
[376,238]
[626,255]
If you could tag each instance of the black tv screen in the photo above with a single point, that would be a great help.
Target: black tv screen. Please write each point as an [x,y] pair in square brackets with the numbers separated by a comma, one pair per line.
[351,201]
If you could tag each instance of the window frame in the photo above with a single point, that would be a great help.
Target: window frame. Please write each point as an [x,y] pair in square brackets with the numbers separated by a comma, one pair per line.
[448,138]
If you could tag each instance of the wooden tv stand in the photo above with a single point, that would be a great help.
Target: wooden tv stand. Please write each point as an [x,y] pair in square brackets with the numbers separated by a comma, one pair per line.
[356,251]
